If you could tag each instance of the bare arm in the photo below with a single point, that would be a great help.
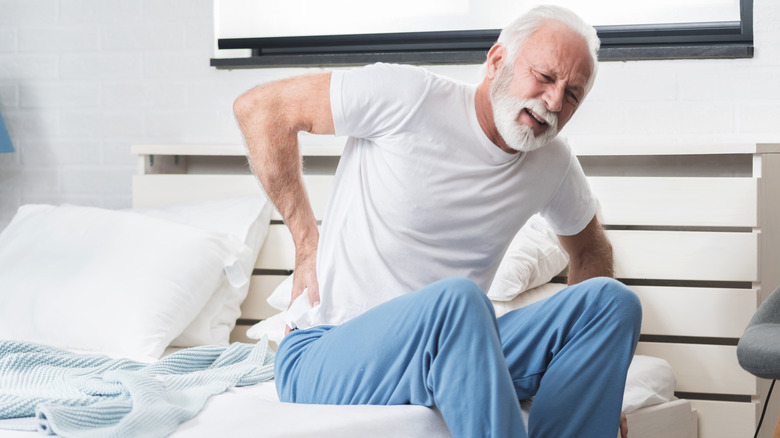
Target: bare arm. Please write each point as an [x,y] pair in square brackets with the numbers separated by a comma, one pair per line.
[590,253]
[270,117]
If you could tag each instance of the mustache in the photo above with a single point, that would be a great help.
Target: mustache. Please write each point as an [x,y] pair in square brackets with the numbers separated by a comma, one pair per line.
[536,109]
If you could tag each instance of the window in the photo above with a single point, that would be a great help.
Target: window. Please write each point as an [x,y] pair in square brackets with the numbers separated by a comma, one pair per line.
[255,33]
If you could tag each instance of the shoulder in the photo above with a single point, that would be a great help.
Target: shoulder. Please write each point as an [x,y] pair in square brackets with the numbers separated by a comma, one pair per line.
[397,79]
[554,155]
[377,99]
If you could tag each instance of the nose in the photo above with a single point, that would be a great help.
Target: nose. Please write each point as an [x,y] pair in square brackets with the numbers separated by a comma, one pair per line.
[553,98]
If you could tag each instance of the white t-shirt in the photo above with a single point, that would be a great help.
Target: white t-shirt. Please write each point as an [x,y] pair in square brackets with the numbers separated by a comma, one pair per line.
[422,194]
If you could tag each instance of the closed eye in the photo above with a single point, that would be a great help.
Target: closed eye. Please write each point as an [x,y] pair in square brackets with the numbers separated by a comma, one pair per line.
[573,98]
[541,77]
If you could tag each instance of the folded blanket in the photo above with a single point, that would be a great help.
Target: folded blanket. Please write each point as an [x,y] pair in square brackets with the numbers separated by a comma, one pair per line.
[81,395]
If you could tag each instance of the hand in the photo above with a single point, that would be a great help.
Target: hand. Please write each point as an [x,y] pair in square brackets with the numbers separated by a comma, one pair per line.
[305,277]
[623,426]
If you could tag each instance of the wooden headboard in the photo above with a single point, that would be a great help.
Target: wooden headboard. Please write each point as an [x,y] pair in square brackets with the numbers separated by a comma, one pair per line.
[695,227]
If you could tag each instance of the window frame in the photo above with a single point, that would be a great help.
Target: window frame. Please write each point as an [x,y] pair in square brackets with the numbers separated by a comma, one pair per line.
[705,40]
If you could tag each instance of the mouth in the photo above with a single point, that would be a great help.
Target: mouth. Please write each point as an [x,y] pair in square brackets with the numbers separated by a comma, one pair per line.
[538,124]
[535,117]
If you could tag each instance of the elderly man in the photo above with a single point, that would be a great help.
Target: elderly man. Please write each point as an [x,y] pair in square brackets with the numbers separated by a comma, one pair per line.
[435,180]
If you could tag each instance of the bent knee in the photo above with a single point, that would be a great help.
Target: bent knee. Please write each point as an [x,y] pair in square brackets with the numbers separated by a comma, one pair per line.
[461,288]
[458,292]
[617,297]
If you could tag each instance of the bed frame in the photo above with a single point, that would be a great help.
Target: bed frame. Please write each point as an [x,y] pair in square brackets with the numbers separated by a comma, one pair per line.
[695,228]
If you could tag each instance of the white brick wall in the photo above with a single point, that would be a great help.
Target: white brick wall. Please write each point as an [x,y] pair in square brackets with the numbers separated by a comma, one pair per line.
[82,80]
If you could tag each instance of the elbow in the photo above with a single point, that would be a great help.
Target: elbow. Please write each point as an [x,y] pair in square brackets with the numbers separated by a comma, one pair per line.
[244,106]
[254,106]
[263,110]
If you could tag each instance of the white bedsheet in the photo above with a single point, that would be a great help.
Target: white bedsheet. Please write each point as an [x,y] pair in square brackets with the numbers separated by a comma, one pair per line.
[256,411]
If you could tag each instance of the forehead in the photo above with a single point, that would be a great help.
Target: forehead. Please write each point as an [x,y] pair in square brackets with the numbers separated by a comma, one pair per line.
[559,50]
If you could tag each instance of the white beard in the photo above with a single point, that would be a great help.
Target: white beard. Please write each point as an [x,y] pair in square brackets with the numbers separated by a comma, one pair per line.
[506,110]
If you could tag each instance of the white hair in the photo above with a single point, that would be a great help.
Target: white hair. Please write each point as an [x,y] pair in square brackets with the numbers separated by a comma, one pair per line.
[514,35]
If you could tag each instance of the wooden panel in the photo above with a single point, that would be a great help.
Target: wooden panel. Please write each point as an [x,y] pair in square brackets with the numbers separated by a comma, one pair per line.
[680,255]
[255,305]
[677,201]
[698,144]
[157,190]
[690,311]
[767,167]
[727,419]
[654,421]
[711,369]
[278,251]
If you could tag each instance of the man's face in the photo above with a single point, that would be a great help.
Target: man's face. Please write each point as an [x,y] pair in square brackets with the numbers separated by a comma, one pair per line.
[534,97]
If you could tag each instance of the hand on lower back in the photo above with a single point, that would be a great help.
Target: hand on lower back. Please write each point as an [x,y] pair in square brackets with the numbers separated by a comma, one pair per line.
[305,278]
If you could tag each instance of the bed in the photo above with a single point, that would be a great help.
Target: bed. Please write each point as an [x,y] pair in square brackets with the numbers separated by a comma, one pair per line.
[702,200]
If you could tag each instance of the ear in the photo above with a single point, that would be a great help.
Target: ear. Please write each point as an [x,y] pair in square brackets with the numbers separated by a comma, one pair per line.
[495,59]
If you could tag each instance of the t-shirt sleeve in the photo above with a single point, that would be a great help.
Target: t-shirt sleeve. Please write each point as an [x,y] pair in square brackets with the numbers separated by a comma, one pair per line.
[377,99]
[573,205]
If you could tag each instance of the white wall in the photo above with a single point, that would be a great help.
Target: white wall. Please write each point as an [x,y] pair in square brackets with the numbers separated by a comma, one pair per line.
[82,80]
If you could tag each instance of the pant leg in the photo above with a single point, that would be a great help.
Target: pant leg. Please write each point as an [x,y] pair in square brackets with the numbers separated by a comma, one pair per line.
[437,346]
[572,352]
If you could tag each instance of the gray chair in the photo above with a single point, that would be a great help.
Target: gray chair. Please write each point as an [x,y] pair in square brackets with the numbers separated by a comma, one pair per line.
[758,349]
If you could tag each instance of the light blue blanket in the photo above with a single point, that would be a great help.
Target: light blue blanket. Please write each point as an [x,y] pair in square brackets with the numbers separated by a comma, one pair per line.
[77,395]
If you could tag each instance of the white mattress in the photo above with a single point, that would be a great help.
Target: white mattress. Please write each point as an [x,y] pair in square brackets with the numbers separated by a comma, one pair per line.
[245,412]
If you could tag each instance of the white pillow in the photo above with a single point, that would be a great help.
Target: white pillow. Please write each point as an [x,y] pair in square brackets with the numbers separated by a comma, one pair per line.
[246,218]
[533,258]
[114,282]
[650,381]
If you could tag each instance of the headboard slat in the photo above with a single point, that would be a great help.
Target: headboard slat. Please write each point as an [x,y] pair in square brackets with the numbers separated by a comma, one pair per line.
[658,201]
[158,190]
[711,369]
[278,251]
[696,312]
[685,255]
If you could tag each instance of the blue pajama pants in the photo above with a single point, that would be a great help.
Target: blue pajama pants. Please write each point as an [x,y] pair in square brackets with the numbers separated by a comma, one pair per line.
[443,346]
